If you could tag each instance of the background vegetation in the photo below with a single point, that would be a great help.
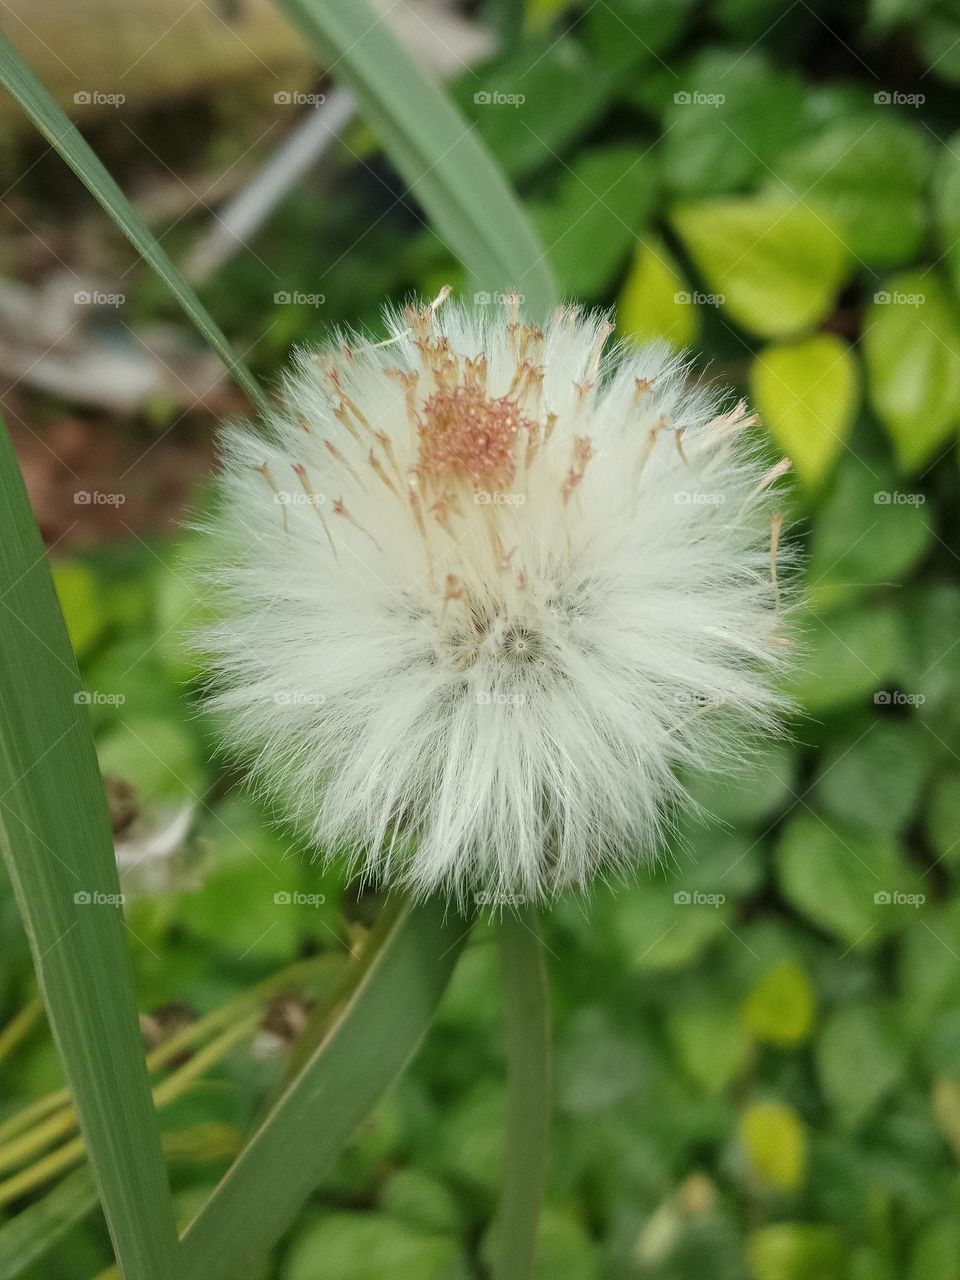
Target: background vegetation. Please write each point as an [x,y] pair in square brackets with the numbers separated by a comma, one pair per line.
[758,1043]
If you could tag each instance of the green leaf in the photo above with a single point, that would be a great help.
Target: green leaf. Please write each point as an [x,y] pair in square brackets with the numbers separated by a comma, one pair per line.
[709,1043]
[527,1021]
[363,1246]
[935,1253]
[521,104]
[780,1008]
[598,1065]
[40,1226]
[450,172]
[873,779]
[657,301]
[63,136]
[564,1248]
[590,225]
[855,886]
[807,394]
[796,1251]
[56,841]
[848,656]
[748,794]
[869,177]
[911,348]
[775,1141]
[932,660]
[731,117]
[422,1202]
[80,604]
[614,31]
[778,266]
[946,207]
[942,813]
[867,532]
[860,1056]
[376,1031]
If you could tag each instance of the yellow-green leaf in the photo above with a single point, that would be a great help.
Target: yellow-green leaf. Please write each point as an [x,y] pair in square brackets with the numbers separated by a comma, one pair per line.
[775,1142]
[656,301]
[79,602]
[807,394]
[779,1010]
[778,266]
[911,347]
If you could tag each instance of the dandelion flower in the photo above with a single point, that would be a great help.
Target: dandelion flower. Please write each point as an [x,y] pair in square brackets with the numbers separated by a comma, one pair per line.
[485,590]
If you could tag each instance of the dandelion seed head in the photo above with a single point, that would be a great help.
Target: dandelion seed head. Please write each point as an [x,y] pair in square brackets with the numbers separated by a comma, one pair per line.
[484,589]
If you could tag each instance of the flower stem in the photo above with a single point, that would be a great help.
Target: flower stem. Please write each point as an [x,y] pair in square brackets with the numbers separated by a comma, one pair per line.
[527,1027]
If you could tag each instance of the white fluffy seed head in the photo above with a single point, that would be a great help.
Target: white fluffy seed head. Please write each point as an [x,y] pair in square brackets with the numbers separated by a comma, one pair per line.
[484,590]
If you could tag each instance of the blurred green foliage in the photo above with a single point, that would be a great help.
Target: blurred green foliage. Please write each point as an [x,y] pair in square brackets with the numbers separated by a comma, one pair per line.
[758,1043]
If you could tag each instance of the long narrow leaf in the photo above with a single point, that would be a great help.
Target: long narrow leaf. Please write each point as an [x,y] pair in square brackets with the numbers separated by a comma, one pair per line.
[56,839]
[23,85]
[448,169]
[370,1042]
[528,1093]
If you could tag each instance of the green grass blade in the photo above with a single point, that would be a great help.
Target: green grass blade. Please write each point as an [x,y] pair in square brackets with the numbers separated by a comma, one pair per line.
[55,837]
[377,1030]
[38,1228]
[449,170]
[528,1094]
[23,85]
